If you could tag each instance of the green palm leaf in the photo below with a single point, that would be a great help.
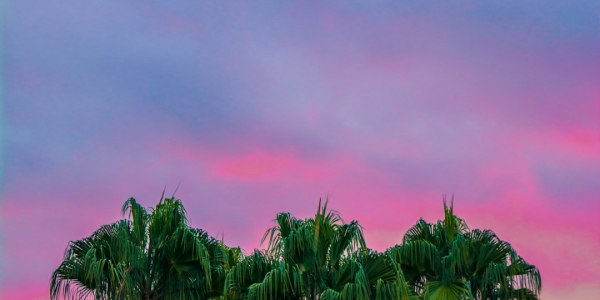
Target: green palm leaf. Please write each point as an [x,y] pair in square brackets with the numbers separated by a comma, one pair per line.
[150,255]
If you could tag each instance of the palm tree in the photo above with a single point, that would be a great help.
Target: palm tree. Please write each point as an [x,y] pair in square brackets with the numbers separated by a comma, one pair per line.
[316,258]
[448,261]
[150,255]
[243,279]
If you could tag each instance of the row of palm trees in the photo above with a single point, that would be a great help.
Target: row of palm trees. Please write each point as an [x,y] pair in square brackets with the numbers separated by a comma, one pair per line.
[155,254]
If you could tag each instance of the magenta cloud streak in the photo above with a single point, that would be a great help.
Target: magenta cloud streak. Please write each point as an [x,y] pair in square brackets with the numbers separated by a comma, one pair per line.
[257,109]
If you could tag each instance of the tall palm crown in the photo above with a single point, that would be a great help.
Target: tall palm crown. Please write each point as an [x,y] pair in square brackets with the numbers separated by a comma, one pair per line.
[151,255]
[316,258]
[448,261]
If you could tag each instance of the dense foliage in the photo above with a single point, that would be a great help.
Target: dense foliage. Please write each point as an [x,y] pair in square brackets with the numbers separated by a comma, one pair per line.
[155,254]
[151,255]
[446,260]
[317,258]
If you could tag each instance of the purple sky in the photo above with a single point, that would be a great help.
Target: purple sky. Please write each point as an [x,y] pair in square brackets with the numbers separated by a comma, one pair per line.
[257,109]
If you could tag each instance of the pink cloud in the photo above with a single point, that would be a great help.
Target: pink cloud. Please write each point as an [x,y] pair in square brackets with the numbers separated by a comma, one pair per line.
[383,108]
[257,166]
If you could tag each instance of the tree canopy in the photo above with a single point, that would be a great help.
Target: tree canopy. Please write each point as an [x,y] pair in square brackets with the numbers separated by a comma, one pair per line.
[156,254]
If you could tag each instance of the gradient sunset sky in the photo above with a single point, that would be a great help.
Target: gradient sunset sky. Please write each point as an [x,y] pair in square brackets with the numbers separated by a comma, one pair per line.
[253,109]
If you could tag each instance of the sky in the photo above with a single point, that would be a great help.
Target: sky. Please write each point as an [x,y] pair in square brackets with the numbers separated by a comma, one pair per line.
[257,108]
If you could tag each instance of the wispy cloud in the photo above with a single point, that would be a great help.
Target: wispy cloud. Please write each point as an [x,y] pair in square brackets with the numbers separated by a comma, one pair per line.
[256,109]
